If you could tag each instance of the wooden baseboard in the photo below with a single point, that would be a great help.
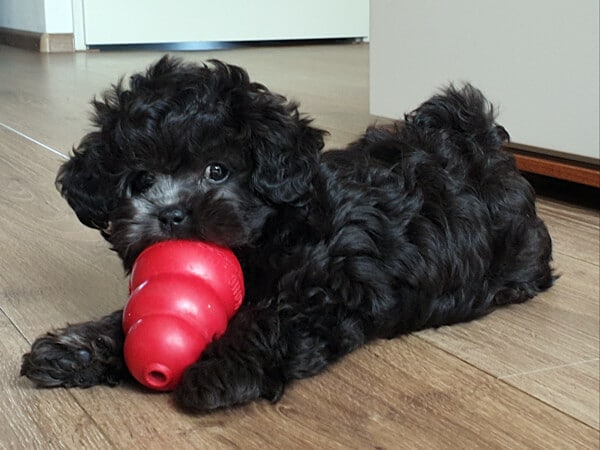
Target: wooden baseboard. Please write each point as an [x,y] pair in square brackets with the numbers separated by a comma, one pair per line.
[39,42]
[57,43]
[557,167]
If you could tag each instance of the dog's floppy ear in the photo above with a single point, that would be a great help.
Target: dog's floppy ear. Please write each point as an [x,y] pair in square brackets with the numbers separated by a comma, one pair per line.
[88,189]
[285,151]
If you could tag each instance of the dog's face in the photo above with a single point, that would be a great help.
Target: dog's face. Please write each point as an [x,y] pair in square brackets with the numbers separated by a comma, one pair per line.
[190,152]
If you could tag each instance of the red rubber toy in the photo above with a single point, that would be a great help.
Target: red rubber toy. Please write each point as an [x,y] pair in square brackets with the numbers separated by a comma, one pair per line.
[182,295]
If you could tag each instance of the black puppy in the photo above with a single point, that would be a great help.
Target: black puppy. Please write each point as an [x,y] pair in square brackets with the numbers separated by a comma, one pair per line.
[419,225]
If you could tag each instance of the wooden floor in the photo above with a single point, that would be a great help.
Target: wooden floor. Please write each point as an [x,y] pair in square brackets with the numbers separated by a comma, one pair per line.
[524,377]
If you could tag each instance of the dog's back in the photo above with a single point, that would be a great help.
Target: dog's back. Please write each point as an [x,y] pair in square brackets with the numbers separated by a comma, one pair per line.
[469,143]
[476,217]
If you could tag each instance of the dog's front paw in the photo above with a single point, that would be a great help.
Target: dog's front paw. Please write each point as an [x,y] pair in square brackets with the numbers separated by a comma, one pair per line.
[215,383]
[80,355]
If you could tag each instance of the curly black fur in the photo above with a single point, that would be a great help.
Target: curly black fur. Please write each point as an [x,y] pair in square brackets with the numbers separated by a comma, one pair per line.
[419,225]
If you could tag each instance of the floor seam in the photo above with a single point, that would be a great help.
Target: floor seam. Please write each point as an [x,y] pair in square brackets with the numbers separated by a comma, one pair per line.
[35,141]
[545,369]
[504,381]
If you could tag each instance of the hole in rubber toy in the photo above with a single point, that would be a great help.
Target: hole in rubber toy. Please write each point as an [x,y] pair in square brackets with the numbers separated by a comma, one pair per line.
[158,376]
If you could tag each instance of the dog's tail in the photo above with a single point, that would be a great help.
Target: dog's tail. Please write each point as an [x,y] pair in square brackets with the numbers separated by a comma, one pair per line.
[458,113]
[456,128]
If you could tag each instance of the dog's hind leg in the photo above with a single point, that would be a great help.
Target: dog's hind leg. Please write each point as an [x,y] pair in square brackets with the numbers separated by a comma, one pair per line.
[81,355]
[524,269]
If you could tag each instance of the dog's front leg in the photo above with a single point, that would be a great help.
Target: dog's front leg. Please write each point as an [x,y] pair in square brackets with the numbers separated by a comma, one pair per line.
[82,355]
[242,365]
[262,350]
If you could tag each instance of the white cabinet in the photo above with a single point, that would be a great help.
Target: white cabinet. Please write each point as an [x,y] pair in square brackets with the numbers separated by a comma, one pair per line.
[110,22]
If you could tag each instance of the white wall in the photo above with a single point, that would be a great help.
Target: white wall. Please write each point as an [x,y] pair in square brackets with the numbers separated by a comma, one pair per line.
[537,60]
[27,15]
[38,16]
[59,16]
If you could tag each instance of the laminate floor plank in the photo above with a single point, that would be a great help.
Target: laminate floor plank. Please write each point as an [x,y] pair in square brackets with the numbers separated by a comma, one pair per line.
[36,419]
[577,229]
[53,270]
[558,327]
[392,394]
[51,103]
[572,388]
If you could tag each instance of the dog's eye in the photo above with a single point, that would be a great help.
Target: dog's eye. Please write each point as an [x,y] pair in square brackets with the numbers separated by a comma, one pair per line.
[142,182]
[216,173]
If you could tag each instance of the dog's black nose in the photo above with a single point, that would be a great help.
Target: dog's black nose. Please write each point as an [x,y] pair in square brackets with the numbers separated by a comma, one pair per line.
[172,216]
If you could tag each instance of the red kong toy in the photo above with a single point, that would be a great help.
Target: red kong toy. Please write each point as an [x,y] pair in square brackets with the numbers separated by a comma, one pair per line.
[182,295]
